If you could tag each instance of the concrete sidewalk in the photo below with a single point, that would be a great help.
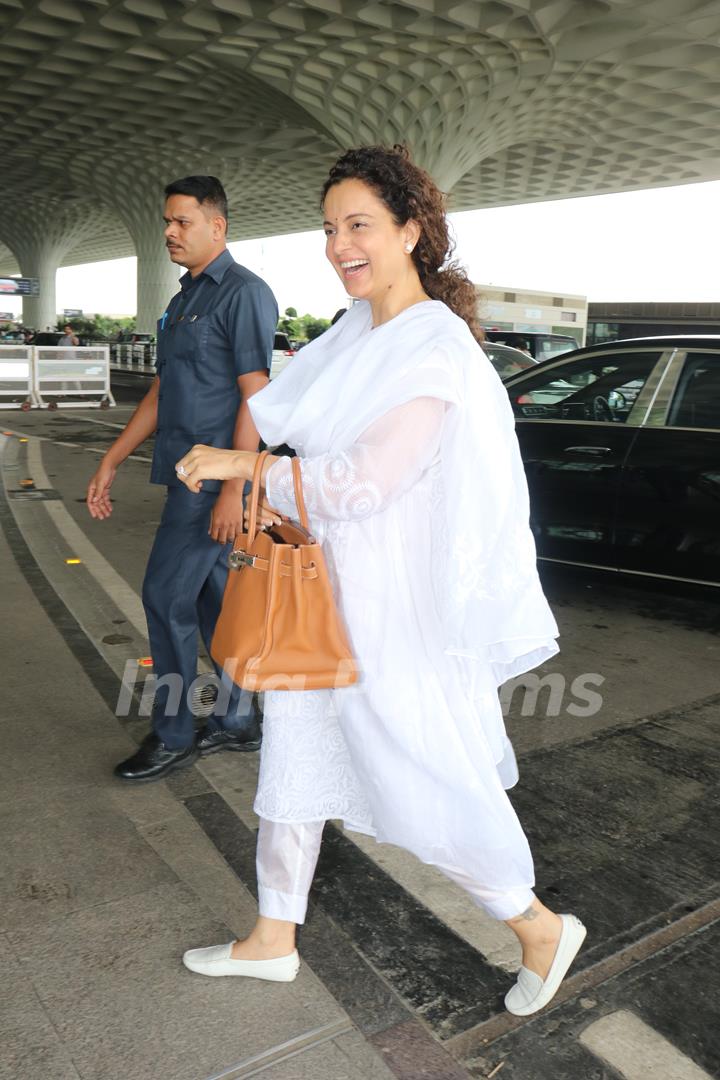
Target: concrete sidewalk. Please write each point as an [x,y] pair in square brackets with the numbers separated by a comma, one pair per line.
[104,886]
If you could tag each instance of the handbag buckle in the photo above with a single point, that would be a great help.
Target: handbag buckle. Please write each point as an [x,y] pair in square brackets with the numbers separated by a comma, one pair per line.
[238,559]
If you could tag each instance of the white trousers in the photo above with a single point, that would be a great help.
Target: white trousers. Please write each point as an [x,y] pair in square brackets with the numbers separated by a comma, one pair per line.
[287,856]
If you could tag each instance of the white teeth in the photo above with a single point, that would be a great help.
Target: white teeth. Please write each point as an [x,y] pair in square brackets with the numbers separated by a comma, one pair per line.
[354,262]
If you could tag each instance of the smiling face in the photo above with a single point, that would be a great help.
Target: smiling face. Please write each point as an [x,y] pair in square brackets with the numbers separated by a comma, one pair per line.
[194,232]
[364,244]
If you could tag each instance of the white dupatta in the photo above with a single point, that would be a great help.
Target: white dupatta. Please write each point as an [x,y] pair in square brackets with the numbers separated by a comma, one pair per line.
[487,589]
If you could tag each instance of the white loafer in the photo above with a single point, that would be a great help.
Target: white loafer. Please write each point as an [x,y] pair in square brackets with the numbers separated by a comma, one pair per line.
[217,960]
[530,993]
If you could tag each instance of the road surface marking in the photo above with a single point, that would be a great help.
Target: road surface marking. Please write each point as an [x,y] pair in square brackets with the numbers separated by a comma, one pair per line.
[122,595]
[637,1051]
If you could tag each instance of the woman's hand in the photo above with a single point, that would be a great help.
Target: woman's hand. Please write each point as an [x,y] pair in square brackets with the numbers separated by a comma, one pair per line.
[265,515]
[209,463]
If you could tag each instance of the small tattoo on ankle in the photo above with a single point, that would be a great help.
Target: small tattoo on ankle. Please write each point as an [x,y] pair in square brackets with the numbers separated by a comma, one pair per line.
[531,913]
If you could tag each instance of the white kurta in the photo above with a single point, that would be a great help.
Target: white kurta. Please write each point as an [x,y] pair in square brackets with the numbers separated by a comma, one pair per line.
[416,753]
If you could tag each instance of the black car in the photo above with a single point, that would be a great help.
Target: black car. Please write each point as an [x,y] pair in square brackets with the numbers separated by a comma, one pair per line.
[621,445]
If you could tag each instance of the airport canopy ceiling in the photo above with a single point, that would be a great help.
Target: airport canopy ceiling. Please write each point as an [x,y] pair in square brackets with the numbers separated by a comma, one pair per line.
[104,101]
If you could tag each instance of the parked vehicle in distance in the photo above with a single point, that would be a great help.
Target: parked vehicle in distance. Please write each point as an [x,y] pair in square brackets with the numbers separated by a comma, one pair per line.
[282,353]
[47,337]
[505,360]
[621,446]
[542,346]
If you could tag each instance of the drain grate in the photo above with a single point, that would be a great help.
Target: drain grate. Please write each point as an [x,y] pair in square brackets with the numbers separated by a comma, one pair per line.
[203,700]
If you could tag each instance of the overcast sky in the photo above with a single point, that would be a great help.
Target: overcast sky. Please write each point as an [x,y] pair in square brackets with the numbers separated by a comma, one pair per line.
[644,245]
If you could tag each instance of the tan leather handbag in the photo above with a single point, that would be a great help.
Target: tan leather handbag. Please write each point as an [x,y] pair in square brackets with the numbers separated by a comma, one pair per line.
[279,627]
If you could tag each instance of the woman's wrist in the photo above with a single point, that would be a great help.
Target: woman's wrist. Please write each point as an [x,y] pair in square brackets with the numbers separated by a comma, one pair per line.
[267,465]
[244,465]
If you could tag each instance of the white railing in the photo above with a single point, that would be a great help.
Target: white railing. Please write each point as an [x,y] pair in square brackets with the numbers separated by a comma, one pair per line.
[63,376]
[16,390]
[139,357]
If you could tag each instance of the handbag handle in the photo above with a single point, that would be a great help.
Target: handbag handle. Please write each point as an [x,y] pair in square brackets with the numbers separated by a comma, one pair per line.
[255,495]
[299,497]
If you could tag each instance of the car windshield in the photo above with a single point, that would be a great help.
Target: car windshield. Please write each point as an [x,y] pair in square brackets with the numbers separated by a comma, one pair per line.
[589,388]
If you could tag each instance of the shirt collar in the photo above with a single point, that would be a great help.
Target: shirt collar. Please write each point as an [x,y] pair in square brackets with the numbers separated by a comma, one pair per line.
[215,270]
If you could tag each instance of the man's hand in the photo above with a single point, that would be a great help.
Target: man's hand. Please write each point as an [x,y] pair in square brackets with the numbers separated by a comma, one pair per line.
[141,424]
[98,492]
[226,520]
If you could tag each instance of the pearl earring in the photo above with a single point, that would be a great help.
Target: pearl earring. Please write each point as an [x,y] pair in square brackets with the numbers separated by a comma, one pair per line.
[408,248]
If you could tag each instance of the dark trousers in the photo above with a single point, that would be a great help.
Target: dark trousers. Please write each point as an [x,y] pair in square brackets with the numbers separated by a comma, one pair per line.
[182,594]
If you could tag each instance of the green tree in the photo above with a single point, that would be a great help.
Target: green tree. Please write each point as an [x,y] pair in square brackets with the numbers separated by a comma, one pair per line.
[99,327]
[288,323]
[314,327]
[301,327]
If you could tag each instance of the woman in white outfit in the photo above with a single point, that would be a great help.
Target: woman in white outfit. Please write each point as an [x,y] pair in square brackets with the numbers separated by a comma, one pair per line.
[415,488]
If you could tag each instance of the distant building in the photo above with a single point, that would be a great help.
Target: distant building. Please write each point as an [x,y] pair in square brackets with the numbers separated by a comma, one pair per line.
[526,311]
[610,321]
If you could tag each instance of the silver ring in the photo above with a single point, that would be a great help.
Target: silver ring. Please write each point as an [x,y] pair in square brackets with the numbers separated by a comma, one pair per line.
[180,470]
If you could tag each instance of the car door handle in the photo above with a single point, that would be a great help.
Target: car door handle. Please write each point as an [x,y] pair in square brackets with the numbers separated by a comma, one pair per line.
[587,450]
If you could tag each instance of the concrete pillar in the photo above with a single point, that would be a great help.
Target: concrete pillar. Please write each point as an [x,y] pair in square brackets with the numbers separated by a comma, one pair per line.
[40,235]
[134,190]
[157,276]
[40,261]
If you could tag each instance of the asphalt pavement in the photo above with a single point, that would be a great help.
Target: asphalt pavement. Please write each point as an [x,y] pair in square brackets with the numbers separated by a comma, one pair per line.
[104,885]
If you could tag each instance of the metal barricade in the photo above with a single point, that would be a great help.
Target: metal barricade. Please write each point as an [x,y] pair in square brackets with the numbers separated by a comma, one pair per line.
[133,356]
[16,389]
[70,377]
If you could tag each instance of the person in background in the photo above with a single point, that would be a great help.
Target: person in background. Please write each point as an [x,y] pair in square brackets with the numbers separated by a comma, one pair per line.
[522,345]
[415,486]
[214,349]
[69,337]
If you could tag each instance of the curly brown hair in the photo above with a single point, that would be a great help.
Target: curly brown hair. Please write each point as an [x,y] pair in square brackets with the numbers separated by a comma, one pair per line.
[410,193]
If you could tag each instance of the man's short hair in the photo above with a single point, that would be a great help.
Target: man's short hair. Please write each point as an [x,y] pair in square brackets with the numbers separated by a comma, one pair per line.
[206,189]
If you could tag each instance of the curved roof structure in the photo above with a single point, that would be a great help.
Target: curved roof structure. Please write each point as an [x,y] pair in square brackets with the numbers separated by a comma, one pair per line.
[104,101]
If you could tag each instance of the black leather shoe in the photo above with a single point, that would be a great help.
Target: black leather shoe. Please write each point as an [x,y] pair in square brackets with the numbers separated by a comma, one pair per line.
[154,760]
[211,739]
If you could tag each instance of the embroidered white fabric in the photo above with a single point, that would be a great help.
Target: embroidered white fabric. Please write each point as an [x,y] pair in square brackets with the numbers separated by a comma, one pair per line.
[353,484]
[415,488]
[306,773]
[344,383]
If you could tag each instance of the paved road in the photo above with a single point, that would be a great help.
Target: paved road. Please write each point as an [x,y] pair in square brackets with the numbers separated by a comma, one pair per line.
[619,787]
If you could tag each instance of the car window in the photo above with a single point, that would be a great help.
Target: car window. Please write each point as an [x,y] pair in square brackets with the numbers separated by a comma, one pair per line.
[603,388]
[281,342]
[697,399]
[552,345]
[507,361]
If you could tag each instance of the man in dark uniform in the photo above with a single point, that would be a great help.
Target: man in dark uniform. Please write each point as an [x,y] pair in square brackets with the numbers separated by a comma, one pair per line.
[214,351]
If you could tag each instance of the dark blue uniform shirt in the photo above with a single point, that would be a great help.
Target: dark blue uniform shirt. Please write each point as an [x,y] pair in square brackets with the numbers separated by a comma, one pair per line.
[219,326]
